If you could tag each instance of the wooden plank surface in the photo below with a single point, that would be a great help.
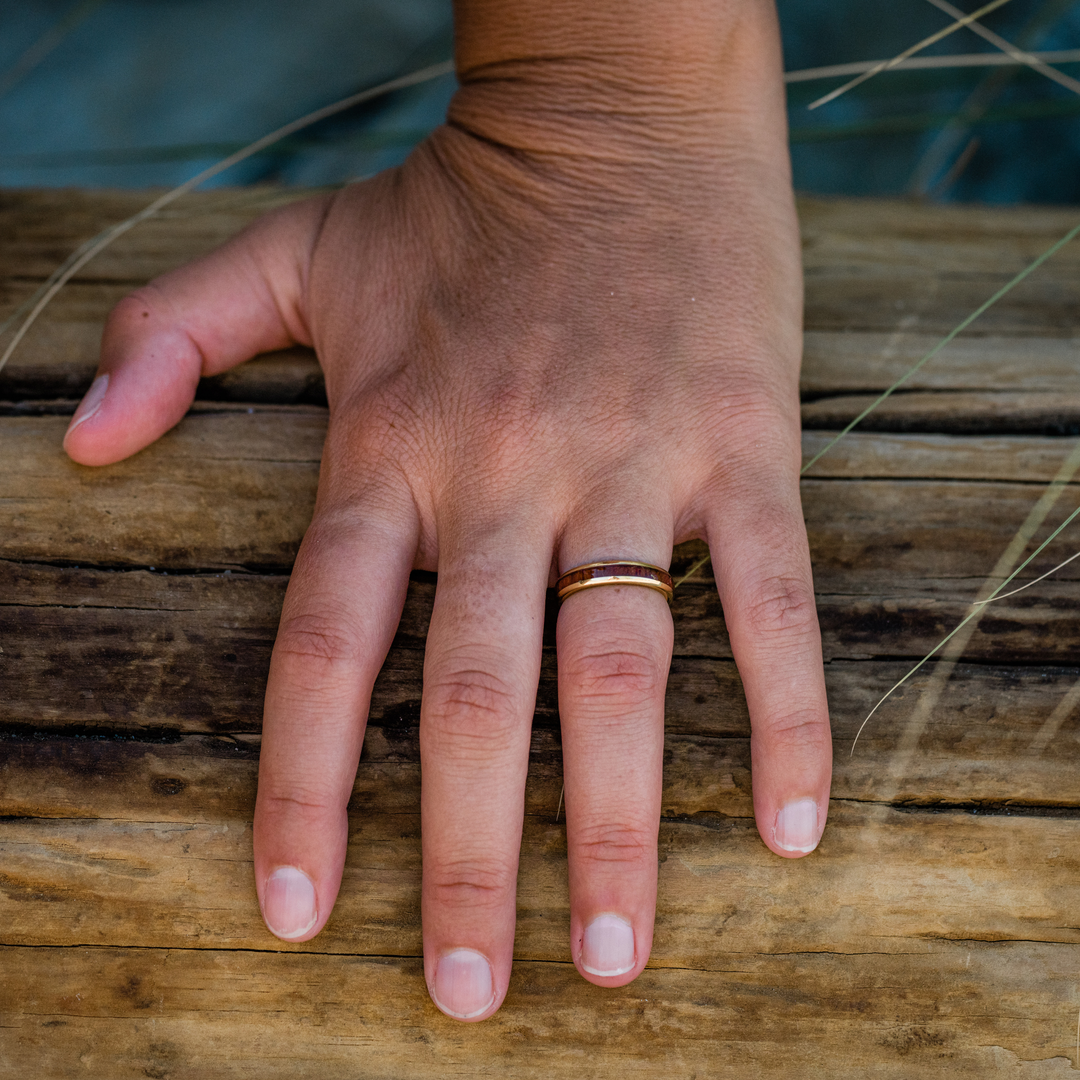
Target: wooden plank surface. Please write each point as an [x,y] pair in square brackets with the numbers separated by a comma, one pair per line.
[194,1013]
[131,879]
[933,931]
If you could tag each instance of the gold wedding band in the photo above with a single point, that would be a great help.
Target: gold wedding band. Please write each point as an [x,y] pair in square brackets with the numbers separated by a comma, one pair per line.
[614,573]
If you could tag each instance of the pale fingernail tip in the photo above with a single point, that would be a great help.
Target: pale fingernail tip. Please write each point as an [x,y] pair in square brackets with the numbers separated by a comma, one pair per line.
[90,403]
[607,947]
[797,826]
[289,903]
[464,986]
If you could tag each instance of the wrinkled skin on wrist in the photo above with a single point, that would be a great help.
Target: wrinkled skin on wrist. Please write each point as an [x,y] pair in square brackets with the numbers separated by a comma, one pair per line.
[566,329]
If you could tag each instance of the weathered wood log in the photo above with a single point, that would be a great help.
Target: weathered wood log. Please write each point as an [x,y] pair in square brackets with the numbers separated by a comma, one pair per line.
[121,843]
[122,882]
[165,510]
[966,1010]
[993,736]
[40,229]
[854,362]
[888,266]
[931,933]
[236,489]
[135,651]
[993,739]
[959,413]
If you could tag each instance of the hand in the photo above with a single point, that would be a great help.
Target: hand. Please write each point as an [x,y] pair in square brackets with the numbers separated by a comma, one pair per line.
[567,329]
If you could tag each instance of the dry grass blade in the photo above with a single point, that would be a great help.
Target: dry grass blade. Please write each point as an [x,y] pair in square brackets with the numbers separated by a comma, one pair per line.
[992,599]
[929,63]
[885,65]
[63,274]
[694,568]
[1008,287]
[963,622]
[1011,50]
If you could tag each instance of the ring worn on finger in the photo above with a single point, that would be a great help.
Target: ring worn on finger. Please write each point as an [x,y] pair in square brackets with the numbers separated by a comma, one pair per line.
[614,573]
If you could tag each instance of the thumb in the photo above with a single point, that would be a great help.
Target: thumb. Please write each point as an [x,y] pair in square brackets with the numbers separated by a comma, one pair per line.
[242,299]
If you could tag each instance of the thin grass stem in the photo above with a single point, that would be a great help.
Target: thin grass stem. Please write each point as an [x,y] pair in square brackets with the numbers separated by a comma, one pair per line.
[885,65]
[959,626]
[1005,289]
[691,572]
[1010,49]
[994,599]
[926,63]
[63,274]
[976,107]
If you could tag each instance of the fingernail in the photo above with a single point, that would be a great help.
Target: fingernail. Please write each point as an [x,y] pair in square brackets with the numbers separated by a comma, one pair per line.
[90,403]
[796,826]
[289,903]
[607,946]
[464,986]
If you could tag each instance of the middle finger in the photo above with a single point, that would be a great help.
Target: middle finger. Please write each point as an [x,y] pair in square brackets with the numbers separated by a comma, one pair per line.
[480,677]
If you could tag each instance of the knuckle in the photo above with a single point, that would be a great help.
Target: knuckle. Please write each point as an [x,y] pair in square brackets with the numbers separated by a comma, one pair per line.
[781,605]
[469,884]
[372,425]
[474,705]
[615,677]
[618,843]
[315,637]
[754,414]
[298,802]
[138,309]
[802,732]
[314,647]
[134,305]
[303,809]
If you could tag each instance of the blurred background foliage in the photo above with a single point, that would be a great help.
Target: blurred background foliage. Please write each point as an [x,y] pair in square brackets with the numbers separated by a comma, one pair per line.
[139,93]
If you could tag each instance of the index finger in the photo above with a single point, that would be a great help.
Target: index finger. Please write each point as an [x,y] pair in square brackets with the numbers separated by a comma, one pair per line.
[341,611]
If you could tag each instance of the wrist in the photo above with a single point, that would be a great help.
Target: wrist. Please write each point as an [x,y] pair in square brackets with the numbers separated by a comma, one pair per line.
[621,81]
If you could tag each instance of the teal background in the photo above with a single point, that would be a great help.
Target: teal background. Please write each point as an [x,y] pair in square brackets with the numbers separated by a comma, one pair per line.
[138,93]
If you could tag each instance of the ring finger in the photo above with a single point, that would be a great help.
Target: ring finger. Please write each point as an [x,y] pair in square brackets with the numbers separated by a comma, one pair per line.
[614,648]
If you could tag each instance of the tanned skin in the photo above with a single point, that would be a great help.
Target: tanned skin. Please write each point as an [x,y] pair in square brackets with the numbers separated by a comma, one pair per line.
[567,329]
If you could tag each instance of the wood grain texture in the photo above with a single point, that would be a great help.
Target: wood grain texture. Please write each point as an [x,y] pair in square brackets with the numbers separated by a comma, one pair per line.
[164,859]
[932,933]
[888,266]
[858,361]
[976,412]
[136,651]
[190,885]
[217,491]
[236,489]
[967,1010]
[40,229]
[986,742]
